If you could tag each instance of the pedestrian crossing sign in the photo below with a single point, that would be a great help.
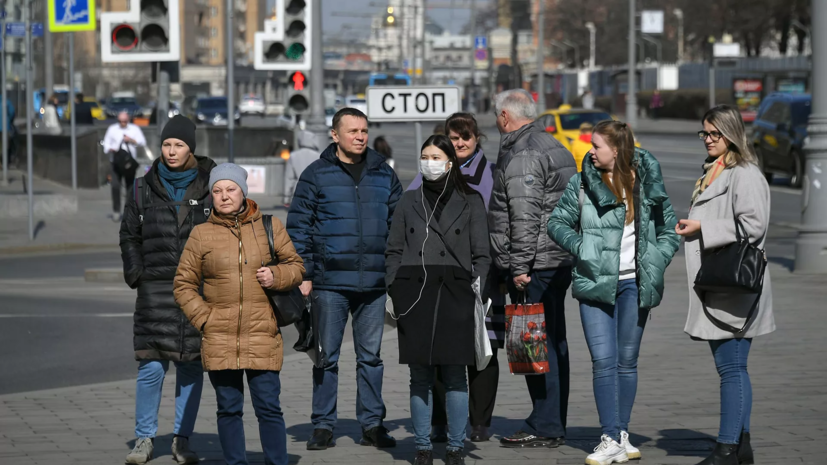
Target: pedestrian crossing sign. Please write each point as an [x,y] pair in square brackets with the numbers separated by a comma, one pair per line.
[71,15]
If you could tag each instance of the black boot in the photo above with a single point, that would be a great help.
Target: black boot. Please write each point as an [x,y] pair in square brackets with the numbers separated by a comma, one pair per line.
[724,454]
[745,456]
[424,457]
[377,437]
[321,440]
[454,457]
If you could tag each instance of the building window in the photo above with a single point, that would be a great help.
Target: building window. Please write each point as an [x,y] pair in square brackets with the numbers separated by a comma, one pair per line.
[213,53]
[213,32]
[213,11]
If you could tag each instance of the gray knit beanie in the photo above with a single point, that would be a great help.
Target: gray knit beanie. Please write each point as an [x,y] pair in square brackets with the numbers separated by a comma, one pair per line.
[230,172]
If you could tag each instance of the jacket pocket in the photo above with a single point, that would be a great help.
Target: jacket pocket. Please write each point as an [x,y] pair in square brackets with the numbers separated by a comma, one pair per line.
[272,326]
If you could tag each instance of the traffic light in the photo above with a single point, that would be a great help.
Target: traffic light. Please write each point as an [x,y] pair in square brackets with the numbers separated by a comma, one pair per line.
[148,31]
[285,42]
[298,92]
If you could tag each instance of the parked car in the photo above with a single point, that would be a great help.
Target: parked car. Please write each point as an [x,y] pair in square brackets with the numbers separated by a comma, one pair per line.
[118,104]
[778,134]
[213,111]
[252,105]
[94,107]
[564,122]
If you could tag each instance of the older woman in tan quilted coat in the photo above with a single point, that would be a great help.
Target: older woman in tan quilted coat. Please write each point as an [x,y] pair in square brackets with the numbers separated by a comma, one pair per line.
[238,327]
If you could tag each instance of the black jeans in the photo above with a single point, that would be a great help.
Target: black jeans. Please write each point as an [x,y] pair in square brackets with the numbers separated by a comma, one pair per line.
[549,392]
[265,387]
[482,394]
[118,177]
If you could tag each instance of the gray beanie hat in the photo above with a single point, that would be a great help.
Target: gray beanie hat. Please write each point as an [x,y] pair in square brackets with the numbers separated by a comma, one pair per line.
[231,172]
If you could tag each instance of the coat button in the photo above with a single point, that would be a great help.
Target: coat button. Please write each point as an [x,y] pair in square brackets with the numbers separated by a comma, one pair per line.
[442,254]
[412,230]
[697,252]
[457,232]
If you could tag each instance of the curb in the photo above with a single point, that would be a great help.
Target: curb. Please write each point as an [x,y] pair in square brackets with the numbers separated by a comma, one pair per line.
[56,248]
[103,275]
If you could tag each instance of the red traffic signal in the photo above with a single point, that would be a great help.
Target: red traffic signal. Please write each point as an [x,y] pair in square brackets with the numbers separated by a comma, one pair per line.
[299,80]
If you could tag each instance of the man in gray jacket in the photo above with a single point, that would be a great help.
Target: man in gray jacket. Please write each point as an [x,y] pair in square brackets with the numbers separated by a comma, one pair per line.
[309,150]
[532,172]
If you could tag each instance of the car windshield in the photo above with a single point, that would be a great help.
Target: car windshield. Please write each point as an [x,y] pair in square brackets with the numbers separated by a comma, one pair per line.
[212,104]
[356,101]
[330,111]
[254,99]
[123,101]
[390,81]
[91,103]
[570,121]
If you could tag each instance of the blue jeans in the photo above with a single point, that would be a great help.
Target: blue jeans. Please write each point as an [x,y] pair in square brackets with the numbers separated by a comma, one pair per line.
[368,323]
[736,390]
[265,387]
[549,392]
[613,334]
[189,381]
[456,403]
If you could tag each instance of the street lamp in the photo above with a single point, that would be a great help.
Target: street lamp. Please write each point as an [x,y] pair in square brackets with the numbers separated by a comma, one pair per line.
[592,31]
[679,14]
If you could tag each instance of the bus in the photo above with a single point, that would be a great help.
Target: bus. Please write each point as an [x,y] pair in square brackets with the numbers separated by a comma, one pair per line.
[384,79]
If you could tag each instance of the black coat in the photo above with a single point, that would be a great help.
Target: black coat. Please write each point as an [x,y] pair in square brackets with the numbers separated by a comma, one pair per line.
[151,250]
[439,329]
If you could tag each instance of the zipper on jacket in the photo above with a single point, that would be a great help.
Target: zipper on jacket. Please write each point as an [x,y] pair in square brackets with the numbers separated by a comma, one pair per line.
[361,239]
[240,296]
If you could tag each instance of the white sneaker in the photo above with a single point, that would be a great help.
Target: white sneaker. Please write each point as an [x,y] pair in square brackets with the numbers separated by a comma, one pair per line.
[632,451]
[607,453]
[142,452]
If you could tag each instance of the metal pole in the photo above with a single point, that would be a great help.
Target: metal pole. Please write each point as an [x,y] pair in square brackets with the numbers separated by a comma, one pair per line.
[29,104]
[163,100]
[48,54]
[631,94]
[592,46]
[811,246]
[541,55]
[5,103]
[315,123]
[418,135]
[712,83]
[73,118]
[422,79]
[472,104]
[679,13]
[230,82]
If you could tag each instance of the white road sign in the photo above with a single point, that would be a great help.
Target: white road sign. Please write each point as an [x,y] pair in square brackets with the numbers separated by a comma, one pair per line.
[405,103]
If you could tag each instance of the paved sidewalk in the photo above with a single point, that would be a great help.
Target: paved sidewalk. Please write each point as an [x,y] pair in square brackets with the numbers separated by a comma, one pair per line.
[674,422]
[90,227]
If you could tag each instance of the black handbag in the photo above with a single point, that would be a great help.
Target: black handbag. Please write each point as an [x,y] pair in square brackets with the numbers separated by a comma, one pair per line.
[123,161]
[737,268]
[287,305]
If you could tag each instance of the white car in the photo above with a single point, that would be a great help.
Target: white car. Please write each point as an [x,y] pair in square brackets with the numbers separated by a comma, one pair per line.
[328,116]
[252,105]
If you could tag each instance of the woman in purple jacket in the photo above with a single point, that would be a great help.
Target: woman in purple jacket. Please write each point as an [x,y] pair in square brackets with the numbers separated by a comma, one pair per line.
[464,133]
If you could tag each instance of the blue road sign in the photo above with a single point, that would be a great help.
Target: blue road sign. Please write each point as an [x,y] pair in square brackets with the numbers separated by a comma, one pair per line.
[71,15]
[16,29]
[480,42]
[37,29]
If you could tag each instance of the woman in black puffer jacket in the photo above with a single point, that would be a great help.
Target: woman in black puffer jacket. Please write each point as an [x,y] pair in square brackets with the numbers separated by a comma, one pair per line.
[167,203]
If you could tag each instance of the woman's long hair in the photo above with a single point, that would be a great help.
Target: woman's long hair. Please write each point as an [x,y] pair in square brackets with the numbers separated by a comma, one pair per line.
[622,180]
[442,142]
[727,120]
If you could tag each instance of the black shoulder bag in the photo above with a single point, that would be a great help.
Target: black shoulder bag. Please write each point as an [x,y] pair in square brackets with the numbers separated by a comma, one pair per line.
[287,305]
[737,268]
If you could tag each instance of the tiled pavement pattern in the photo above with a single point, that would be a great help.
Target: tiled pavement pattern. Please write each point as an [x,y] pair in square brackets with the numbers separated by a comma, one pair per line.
[674,422]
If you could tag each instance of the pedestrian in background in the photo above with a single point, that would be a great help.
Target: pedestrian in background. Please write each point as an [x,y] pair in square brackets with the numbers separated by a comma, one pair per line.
[731,188]
[169,201]
[436,317]
[477,171]
[83,112]
[121,142]
[339,222]
[439,128]
[224,298]
[51,122]
[308,152]
[582,145]
[655,104]
[11,130]
[588,100]
[383,148]
[532,171]
[616,211]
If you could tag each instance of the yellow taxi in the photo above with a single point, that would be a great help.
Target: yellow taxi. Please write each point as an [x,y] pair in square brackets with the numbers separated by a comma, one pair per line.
[94,107]
[564,124]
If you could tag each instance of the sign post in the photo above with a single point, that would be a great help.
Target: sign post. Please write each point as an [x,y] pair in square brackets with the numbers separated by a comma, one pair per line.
[412,104]
[5,102]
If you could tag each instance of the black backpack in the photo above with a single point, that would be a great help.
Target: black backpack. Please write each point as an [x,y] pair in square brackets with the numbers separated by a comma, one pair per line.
[140,191]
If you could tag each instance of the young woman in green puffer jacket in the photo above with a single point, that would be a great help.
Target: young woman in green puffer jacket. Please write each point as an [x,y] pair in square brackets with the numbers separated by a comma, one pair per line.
[616,219]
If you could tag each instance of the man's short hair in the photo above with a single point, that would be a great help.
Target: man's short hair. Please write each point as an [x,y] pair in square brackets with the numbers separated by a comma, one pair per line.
[79,95]
[517,102]
[347,111]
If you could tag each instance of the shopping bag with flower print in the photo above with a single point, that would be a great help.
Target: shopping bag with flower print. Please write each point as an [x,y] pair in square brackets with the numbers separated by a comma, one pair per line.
[525,338]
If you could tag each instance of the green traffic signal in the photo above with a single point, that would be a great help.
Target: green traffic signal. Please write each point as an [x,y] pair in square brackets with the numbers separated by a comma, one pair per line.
[295,51]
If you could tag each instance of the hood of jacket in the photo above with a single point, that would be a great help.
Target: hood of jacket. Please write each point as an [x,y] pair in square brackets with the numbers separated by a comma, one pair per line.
[308,140]
[251,213]
[646,168]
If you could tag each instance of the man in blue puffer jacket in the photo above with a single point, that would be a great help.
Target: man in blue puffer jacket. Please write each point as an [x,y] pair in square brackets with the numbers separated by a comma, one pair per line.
[339,221]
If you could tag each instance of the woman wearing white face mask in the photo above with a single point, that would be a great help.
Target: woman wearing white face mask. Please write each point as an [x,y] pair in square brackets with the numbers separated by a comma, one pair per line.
[438,246]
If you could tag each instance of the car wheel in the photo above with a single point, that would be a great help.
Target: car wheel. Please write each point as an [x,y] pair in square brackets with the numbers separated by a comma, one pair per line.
[760,158]
[797,175]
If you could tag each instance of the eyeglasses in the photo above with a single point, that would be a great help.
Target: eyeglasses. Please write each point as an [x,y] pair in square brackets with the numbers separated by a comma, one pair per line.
[714,135]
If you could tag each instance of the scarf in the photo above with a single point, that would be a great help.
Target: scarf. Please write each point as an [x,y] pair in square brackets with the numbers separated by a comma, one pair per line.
[713,167]
[433,189]
[176,182]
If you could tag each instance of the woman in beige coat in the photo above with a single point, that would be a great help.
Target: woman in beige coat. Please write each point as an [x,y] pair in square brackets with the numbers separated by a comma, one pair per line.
[227,255]
[731,186]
